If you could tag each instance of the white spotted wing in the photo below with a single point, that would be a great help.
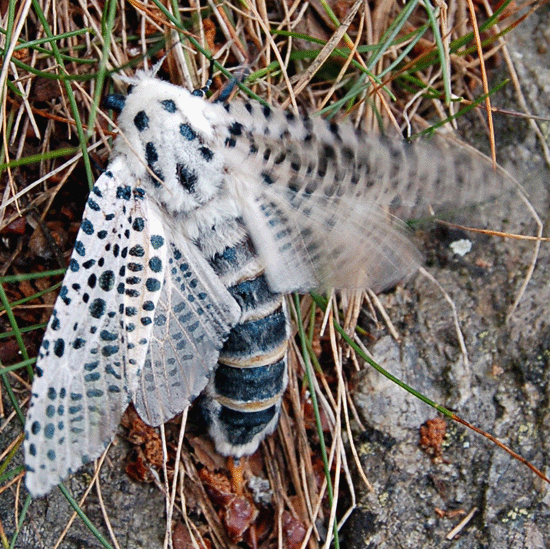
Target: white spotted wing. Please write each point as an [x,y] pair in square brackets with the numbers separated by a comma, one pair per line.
[118,287]
[192,319]
[324,202]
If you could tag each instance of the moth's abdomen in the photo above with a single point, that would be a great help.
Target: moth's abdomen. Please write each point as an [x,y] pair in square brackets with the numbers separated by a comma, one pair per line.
[244,394]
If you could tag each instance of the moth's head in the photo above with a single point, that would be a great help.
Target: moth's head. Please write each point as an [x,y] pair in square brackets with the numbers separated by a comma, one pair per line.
[144,88]
[117,101]
[166,139]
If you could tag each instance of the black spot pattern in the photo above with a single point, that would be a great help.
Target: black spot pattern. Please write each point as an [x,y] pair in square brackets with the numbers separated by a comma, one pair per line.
[97,308]
[206,153]
[187,177]
[168,105]
[236,128]
[141,121]
[151,156]
[187,132]
[107,280]
[157,241]
[87,227]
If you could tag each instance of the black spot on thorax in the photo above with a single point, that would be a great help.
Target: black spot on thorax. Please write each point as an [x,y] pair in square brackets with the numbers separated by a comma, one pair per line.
[187,177]
[141,121]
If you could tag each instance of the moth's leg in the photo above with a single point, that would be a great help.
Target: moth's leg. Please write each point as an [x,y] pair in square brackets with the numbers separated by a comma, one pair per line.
[227,90]
[236,470]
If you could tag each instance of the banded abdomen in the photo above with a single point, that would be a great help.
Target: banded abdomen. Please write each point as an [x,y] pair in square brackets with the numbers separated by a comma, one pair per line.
[243,397]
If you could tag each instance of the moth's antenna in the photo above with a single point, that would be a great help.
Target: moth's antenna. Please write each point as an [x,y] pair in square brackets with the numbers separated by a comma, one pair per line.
[201,92]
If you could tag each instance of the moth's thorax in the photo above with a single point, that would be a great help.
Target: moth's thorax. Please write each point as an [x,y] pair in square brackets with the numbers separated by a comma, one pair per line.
[165,144]
[212,227]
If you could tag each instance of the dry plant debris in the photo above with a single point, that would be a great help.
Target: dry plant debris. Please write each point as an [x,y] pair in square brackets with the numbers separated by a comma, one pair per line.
[432,434]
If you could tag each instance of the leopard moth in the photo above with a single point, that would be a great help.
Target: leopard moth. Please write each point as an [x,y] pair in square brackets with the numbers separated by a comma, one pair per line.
[207,215]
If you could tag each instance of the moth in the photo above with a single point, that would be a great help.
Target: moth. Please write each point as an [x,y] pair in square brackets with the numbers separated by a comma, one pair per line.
[207,215]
